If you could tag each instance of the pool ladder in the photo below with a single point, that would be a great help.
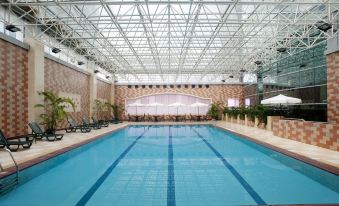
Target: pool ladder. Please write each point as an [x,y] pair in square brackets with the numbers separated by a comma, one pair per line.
[8,183]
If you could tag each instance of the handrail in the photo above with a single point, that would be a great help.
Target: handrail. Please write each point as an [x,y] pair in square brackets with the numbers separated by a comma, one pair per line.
[15,163]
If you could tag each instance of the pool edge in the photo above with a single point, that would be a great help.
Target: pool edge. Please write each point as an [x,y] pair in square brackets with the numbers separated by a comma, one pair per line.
[29,163]
[322,165]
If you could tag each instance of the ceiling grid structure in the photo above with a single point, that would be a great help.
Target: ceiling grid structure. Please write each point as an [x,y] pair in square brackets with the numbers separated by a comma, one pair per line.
[177,41]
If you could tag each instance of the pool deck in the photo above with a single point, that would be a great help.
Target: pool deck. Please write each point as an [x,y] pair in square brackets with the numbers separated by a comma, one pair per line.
[42,150]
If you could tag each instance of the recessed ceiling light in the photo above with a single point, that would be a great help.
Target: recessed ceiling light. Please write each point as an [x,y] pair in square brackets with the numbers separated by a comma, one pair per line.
[281,49]
[324,26]
[12,28]
[56,50]
[302,65]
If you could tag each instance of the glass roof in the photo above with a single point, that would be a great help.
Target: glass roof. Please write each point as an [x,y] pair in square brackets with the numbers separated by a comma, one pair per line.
[180,41]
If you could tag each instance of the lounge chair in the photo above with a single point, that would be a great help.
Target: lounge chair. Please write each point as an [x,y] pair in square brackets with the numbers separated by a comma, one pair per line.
[87,123]
[109,119]
[13,144]
[73,126]
[39,133]
[100,122]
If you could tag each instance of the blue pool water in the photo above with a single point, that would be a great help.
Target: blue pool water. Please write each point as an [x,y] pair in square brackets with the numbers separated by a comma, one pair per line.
[172,165]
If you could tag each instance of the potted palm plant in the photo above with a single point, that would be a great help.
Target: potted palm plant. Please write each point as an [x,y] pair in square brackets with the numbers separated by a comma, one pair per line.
[98,108]
[116,112]
[54,110]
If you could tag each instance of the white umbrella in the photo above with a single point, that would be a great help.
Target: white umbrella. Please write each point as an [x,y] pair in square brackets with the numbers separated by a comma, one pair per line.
[136,105]
[155,104]
[199,104]
[281,99]
[177,104]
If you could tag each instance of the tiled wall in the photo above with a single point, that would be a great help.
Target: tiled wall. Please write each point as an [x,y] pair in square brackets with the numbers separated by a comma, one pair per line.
[218,93]
[104,92]
[59,78]
[315,133]
[333,88]
[13,89]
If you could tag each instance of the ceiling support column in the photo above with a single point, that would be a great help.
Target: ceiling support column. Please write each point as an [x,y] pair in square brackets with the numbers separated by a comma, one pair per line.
[92,89]
[333,80]
[36,80]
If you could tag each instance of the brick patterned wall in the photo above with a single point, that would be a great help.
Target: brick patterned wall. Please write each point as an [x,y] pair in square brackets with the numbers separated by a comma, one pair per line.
[59,78]
[314,133]
[104,92]
[13,89]
[218,93]
[333,88]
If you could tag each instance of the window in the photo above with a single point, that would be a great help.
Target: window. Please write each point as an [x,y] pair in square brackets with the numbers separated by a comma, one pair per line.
[129,86]
[233,102]
[157,86]
[207,86]
[136,86]
[172,86]
[193,86]
[247,102]
[200,86]
[186,86]
[179,86]
[143,86]
[164,86]
[150,86]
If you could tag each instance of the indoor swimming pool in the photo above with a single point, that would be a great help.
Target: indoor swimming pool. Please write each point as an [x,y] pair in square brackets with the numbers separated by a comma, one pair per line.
[172,165]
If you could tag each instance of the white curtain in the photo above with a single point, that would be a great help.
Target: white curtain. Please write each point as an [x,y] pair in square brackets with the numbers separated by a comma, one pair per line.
[165,100]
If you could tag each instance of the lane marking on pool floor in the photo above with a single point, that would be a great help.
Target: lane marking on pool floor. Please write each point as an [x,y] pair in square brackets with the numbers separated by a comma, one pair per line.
[234,172]
[170,173]
[87,196]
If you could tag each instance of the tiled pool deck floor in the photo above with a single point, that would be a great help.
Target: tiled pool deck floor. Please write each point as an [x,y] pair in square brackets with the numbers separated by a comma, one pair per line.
[44,149]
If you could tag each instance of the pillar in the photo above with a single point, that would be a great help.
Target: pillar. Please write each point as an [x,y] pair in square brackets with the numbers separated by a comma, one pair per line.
[112,101]
[36,80]
[333,80]
[92,89]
